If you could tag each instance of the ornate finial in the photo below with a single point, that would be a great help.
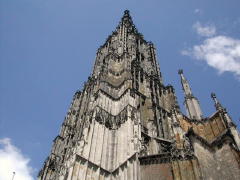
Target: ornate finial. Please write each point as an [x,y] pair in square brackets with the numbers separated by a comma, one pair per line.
[180,71]
[126,17]
[126,12]
[213,95]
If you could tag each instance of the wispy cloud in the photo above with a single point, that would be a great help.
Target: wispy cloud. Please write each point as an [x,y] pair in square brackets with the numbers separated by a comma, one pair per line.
[204,30]
[218,51]
[197,11]
[12,160]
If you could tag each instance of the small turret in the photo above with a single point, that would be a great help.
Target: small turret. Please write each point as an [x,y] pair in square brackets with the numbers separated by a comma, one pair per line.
[230,124]
[191,103]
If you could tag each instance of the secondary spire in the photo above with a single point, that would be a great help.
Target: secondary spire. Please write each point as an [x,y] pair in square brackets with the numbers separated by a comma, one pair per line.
[217,104]
[191,103]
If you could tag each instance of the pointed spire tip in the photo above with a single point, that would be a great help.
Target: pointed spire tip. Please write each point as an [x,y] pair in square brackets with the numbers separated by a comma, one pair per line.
[126,12]
[180,71]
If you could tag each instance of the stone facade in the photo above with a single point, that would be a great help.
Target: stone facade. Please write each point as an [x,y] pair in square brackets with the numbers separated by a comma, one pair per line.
[126,124]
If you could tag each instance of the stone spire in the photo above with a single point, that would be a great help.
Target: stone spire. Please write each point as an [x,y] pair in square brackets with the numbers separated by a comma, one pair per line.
[127,19]
[127,22]
[217,104]
[219,107]
[191,103]
[125,123]
[227,119]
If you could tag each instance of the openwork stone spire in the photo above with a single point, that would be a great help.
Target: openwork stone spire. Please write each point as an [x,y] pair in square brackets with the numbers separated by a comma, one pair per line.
[128,45]
[127,21]
[126,124]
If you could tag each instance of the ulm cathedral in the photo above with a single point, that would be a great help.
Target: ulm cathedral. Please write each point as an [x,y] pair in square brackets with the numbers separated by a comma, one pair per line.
[126,124]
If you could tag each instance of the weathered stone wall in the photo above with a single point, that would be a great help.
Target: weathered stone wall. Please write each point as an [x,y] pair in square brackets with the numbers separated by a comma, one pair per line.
[156,171]
[186,169]
[209,129]
[83,169]
[177,170]
[219,163]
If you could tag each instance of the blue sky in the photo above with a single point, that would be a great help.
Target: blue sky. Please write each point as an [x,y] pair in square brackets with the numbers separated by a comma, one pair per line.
[47,50]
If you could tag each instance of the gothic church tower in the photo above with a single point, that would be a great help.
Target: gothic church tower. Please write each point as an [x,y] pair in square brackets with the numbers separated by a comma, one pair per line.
[126,124]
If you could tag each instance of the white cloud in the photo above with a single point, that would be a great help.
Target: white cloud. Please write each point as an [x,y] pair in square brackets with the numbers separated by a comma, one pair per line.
[219,52]
[205,30]
[197,11]
[12,160]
